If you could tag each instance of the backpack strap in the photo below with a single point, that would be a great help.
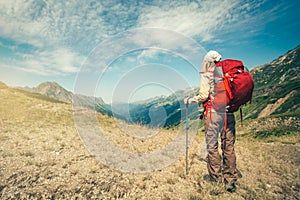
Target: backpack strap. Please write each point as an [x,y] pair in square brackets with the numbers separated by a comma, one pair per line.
[208,107]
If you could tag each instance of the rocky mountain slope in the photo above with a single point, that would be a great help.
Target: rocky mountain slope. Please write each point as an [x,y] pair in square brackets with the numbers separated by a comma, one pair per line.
[52,89]
[277,86]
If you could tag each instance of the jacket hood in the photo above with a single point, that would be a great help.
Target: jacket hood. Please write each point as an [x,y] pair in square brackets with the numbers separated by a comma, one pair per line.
[212,56]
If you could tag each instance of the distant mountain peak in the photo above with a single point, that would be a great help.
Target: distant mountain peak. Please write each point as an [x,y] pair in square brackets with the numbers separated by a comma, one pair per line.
[50,84]
[54,90]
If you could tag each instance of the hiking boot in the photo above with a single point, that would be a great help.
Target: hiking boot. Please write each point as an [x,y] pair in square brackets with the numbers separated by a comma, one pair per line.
[210,179]
[231,187]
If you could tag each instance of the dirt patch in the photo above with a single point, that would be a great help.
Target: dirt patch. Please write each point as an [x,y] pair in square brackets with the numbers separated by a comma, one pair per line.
[272,107]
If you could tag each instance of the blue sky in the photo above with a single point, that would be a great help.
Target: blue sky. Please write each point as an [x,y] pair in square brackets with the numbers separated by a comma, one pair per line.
[57,41]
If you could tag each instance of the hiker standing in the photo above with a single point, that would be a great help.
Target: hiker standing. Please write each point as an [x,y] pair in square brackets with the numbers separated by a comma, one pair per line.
[217,120]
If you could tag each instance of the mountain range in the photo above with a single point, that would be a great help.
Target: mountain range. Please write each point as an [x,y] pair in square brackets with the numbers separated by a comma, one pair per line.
[276,91]
[55,91]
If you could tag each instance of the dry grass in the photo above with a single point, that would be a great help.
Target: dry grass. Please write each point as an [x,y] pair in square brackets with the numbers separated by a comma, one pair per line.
[42,157]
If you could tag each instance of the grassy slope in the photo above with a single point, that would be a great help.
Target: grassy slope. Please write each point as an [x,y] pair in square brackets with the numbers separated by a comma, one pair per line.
[261,100]
[42,156]
[274,81]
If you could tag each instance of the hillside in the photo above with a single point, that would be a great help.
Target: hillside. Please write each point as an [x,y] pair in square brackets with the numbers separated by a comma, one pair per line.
[277,86]
[43,157]
[55,91]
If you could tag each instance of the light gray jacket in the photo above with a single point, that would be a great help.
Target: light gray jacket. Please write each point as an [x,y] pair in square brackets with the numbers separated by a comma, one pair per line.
[207,76]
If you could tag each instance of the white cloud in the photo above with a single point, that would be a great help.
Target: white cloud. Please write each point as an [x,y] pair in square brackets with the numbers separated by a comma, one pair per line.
[80,24]
[189,19]
[83,24]
[60,61]
[207,20]
[61,32]
[49,23]
[57,33]
[147,54]
[75,23]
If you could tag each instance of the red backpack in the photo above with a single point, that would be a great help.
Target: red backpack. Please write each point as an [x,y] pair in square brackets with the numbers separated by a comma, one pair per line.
[235,88]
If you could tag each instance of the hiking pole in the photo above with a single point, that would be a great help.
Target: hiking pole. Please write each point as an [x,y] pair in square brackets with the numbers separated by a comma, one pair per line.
[186,138]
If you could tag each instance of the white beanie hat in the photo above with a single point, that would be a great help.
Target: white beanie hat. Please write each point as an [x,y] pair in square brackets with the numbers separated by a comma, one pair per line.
[213,56]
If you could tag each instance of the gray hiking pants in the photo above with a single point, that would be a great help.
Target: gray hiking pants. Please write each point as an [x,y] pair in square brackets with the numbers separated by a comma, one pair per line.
[217,165]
